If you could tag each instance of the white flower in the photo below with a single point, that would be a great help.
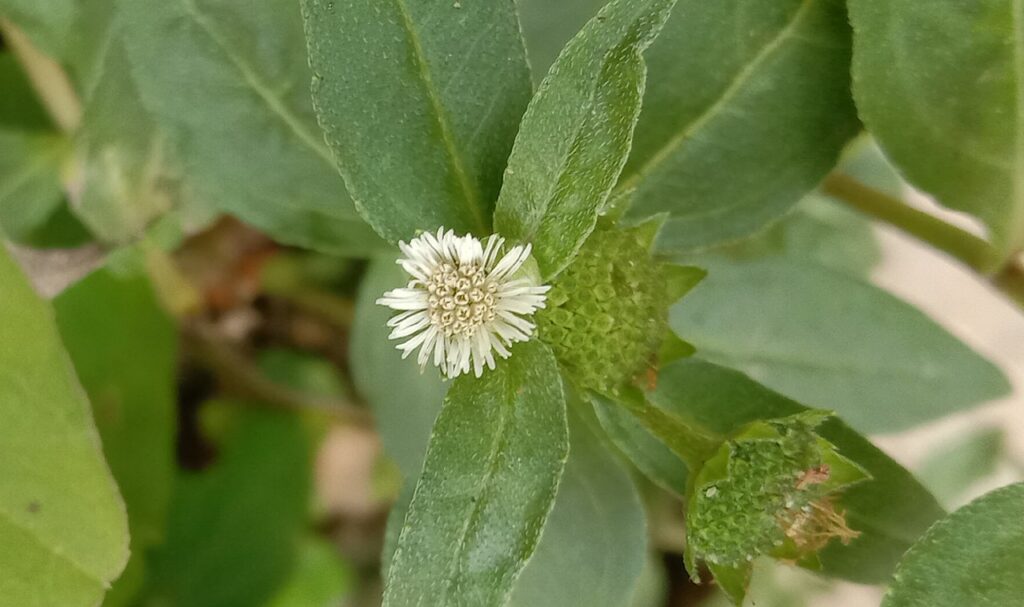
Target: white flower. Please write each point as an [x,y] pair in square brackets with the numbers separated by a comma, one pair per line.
[463,303]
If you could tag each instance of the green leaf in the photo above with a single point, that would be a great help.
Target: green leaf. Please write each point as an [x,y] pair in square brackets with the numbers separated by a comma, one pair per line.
[19,107]
[420,102]
[234,528]
[124,348]
[63,530]
[488,483]
[650,455]
[834,342]
[748,108]
[405,401]
[548,26]
[581,558]
[129,176]
[891,510]
[972,557]
[30,187]
[941,86]
[49,23]
[236,108]
[959,463]
[595,541]
[576,134]
[320,579]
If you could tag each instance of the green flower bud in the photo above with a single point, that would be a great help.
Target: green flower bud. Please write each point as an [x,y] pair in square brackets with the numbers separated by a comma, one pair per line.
[769,490]
[607,313]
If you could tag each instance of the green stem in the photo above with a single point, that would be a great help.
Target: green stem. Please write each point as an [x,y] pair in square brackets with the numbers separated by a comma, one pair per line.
[692,443]
[975,252]
[238,375]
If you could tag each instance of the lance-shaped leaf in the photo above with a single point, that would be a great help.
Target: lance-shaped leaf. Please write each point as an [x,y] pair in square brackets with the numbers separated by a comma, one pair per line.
[63,530]
[972,557]
[420,102]
[237,110]
[834,342]
[941,86]
[748,108]
[490,477]
[124,348]
[577,133]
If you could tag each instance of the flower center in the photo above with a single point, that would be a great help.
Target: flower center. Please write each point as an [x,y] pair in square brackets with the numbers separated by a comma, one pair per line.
[461,298]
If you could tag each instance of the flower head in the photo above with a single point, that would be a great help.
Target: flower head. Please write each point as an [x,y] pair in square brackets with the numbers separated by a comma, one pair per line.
[466,301]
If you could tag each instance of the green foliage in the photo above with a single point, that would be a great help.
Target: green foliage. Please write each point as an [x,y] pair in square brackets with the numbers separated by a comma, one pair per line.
[832,341]
[770,489]
[972,557]
[48,23]
[576,134]
[582,558]
[607,313]
[495,458]
[420,103]
[31,154]
[234,529]
[941,85]
[242,89]
[890,511]
[63,530]
[124,350]
[665,132]
[404,400]
[748,108]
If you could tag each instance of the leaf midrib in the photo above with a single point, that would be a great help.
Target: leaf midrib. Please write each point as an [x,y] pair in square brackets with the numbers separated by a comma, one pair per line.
[470,196]
[252,79]
[74,564]
[730,92]
[485,483]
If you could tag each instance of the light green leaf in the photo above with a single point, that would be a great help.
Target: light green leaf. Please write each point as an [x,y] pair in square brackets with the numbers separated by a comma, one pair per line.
[48,23]
[649,454]
[833,342]
[748,108]
[576,134]
[320,579]
[236,107]
[495,458]
[30,187]
[404,400]
[891,510]
[234,529]
[595,541]
[420,102]
[63,530]
[127,176]
[972,557]
[957,464]
[124,348]
[941,86]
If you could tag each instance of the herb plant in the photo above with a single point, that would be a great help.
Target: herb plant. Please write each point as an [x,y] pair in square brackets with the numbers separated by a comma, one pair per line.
[594,273]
